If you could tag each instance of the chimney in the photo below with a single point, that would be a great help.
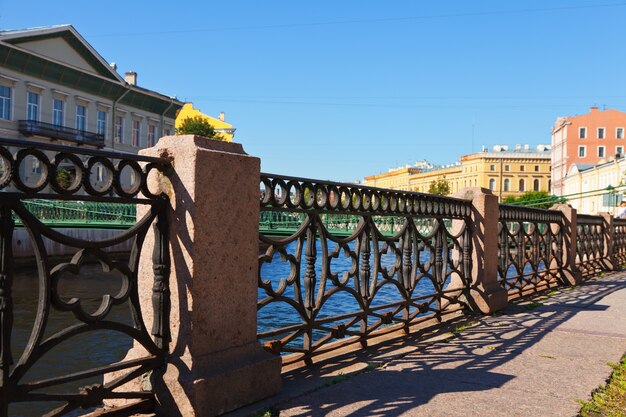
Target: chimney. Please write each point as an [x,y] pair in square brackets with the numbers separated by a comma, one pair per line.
[222,116]
[113,66]
[131,77]
[593,109]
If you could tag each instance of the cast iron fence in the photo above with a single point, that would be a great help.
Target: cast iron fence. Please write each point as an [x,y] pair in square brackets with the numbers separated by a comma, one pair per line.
[530,249]
[619,241]
[589,244]
[363,283]
[49,172]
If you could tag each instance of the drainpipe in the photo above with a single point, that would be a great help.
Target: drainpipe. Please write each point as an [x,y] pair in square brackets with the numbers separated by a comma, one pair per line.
[163,116]
[128,89]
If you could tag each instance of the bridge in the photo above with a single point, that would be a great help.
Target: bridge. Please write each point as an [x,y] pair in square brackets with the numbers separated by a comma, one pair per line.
[343,268]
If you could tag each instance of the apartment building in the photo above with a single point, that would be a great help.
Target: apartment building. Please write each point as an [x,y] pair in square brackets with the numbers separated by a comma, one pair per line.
[587,139]
[54,86]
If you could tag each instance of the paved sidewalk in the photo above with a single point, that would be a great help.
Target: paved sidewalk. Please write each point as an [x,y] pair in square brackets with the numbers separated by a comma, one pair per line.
[526,362]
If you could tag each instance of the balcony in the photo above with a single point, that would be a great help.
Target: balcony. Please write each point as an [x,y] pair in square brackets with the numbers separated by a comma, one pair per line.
[54,132]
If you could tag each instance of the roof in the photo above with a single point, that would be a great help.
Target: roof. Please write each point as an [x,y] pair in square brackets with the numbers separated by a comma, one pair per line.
[102,80]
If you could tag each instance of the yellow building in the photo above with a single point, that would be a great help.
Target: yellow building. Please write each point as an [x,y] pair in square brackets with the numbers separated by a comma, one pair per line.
[505,172]
[226,130]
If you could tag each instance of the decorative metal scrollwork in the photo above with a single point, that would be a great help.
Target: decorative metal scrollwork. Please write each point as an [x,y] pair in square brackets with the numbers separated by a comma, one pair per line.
[589,244]
[354,262]
[530,249]
[80,175]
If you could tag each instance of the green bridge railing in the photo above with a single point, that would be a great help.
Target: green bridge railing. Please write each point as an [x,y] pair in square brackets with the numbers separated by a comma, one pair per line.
[98,215]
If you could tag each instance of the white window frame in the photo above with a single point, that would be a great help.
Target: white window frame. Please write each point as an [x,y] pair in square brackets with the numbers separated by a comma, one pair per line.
[603,129]
[152,129]
[507,185]
[617,135]
[136,136]
[584,149]
[81,117]
[55,112]
[619,150]
[603,149]
[8,102]
[30,106]
[583,130]
[118,138]
[101,125]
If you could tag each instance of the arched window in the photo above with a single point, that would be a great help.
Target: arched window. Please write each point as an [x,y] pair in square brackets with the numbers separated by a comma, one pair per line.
[521,185]
[506,184]
[536,185]
[492,184]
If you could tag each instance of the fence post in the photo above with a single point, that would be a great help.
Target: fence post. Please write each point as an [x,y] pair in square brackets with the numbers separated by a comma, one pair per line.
[486,293]
[216,363]
[571,274]
[608,257]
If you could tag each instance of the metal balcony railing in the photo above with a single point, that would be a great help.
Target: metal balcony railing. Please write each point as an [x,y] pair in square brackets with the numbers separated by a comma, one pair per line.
[33,127]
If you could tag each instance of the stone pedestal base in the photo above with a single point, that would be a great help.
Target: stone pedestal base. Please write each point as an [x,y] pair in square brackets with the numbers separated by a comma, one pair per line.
[219,383]
[488,300]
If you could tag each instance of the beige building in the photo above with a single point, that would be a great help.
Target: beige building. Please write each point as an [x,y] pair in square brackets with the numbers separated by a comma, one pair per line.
[55,87]
[595,188]
[505,172]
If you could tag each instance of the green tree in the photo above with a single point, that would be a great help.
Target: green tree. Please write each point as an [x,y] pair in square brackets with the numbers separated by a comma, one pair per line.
[64,178]
[198,126]
[439,186]
[538,199]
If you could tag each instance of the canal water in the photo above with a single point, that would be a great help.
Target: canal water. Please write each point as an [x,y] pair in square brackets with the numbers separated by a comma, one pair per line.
[105,347]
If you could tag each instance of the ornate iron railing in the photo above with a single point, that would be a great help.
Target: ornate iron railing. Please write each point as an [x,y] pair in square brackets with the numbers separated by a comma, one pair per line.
[95,176]
[316,287]
[619,241]
[33,127]
[589,244]
[530,249]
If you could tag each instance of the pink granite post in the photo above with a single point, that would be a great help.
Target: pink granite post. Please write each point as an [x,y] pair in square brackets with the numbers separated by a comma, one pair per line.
[571,275]
[216,363]
[608,260]
[486,293]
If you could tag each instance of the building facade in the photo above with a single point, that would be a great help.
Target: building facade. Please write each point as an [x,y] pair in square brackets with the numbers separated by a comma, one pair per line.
[505,172]
[55,87]
[595,188]
[587,139]
[225,130]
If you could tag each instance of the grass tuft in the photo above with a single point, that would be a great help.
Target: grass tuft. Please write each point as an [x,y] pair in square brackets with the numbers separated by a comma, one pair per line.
[610,399]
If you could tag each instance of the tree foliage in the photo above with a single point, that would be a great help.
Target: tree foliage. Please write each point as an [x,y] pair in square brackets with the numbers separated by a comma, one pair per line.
[198,126]
[64,178]
[538,199]
[440,186]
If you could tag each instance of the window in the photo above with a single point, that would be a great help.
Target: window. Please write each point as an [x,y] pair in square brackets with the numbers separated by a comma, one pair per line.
[5,102]
[582,132]
[619,132]
[536,185]
[151,135]
[582,151]
[506,167]
[536,168]
[102,123]
[619,150]
[32,106]
[57,112]
[492,167]
[81,118]
[492,184]
[600,133]
[136,133]
[600,151]
[36,168]
[521,167]
[168,131]
[507,183]
[521,185]
[119,129]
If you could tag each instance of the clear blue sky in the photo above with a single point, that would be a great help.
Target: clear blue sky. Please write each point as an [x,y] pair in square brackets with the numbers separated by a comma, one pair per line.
[343,89]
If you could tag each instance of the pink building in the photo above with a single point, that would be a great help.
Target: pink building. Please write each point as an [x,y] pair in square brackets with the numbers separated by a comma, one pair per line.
[585,140]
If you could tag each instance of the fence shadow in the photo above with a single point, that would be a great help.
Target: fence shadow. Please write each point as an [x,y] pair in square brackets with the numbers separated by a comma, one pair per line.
[419,372]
